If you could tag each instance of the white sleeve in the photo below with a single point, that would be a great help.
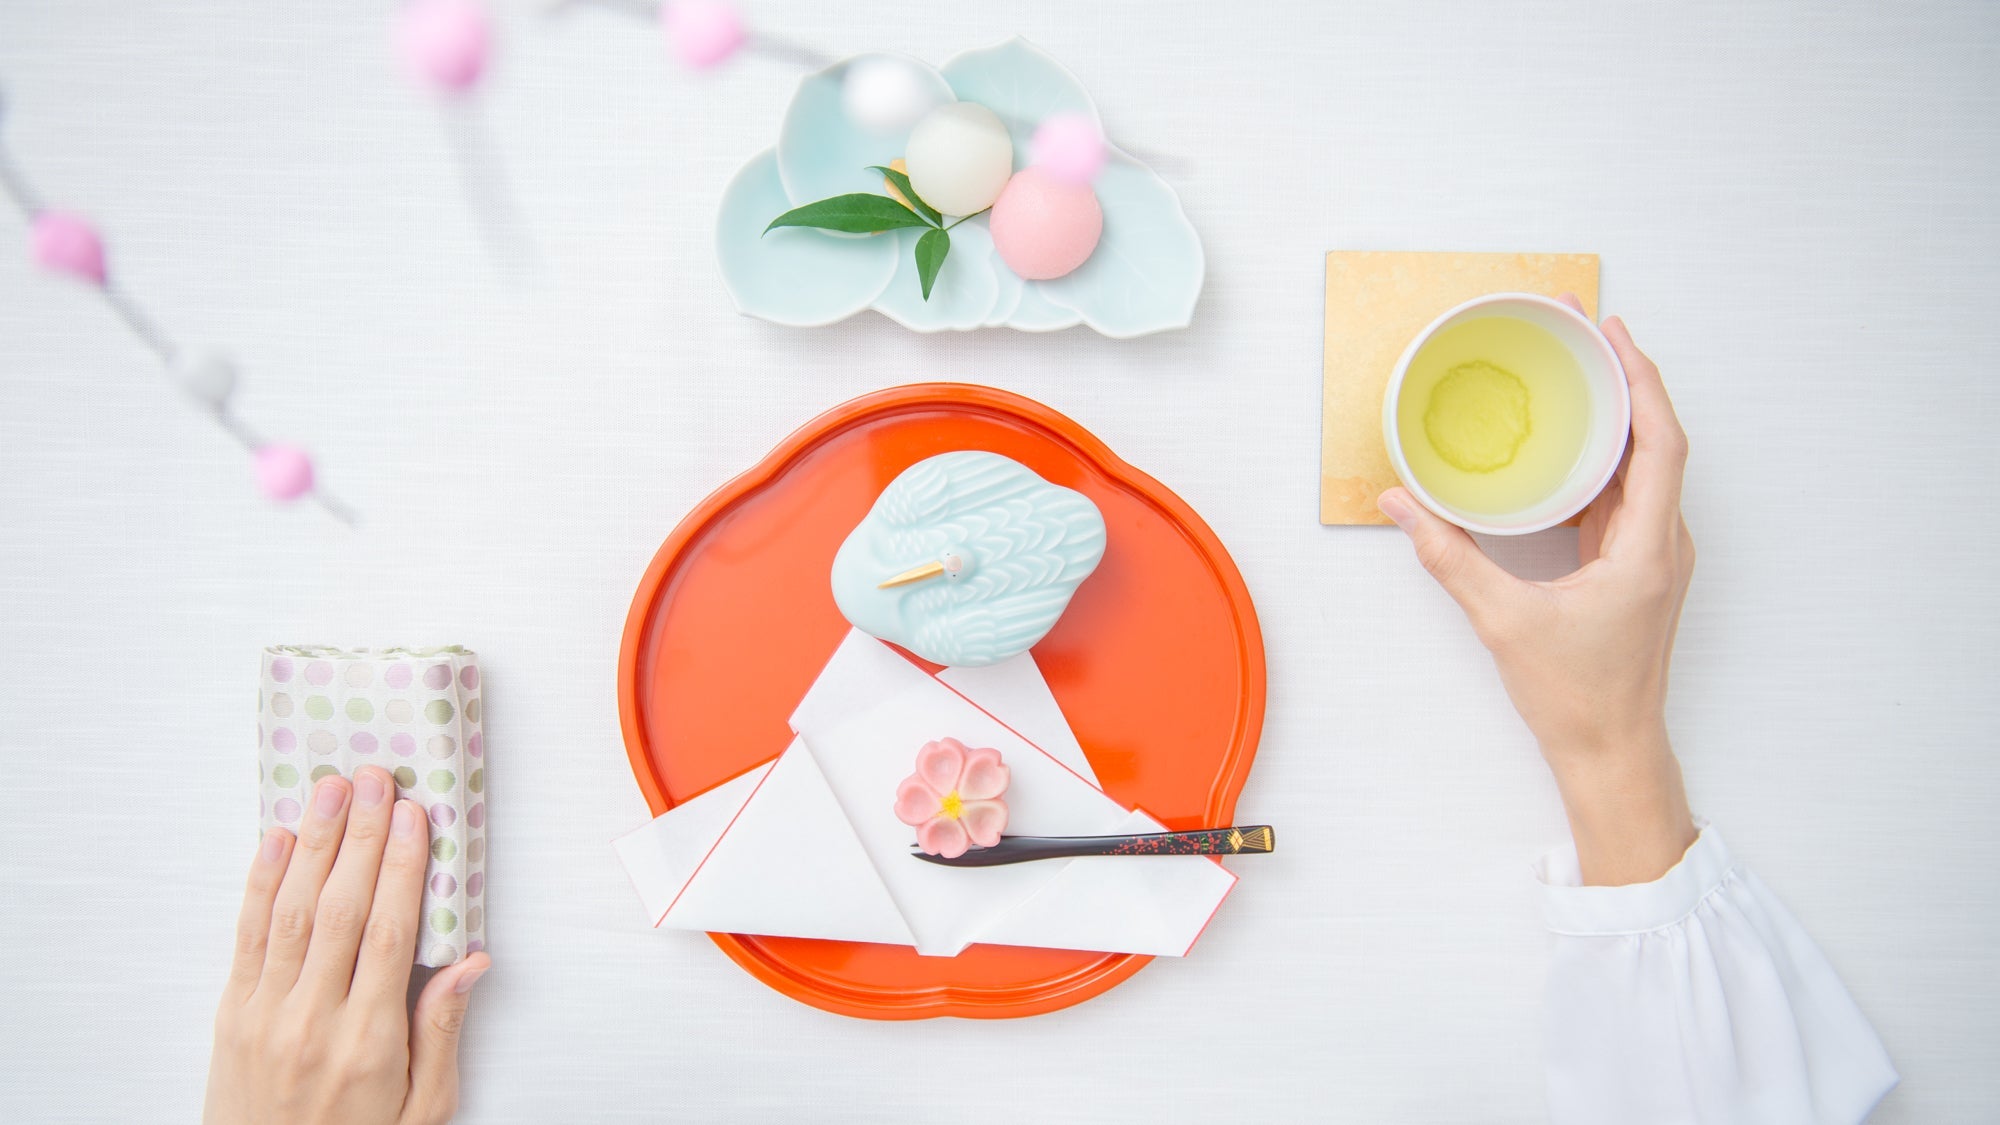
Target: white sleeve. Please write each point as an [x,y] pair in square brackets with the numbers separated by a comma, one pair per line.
[1697,998]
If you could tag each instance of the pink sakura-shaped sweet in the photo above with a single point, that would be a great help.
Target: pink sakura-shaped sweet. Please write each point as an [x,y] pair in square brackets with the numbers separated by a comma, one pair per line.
[284,472]
[445,42]
[67,244]
[954,798]
[1069,147]
[701,33]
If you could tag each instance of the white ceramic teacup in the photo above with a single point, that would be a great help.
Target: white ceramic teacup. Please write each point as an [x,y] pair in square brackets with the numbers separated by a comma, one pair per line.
[1609,416]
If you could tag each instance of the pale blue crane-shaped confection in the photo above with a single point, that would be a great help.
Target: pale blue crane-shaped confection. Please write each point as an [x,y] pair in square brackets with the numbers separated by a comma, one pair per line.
[1000,549]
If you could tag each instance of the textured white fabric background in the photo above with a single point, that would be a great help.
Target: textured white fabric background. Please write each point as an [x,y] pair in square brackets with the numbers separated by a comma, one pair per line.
[1796,209]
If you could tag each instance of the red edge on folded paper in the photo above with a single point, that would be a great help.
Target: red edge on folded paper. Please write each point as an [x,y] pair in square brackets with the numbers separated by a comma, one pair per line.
[899,426]
[720,836]
[1234,879]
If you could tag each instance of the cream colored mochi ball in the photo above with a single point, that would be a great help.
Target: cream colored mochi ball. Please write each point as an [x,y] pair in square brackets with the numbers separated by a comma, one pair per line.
[960,157]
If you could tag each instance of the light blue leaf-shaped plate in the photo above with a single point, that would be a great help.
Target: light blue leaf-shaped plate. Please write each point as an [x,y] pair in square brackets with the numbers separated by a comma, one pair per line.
[793,276]
[1145,276]
[1016,547]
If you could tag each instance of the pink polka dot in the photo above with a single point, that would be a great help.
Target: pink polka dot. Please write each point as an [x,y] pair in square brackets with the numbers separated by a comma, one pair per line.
[283,740]
[286,810]
[403,744]
[363,742]
[468,678]
[476,745]
[398,676]
[475,883]
[444,816]
[476,816]
[442,884]
[475,946]
[437,677]
[281,670]
[319,672]
[262,806]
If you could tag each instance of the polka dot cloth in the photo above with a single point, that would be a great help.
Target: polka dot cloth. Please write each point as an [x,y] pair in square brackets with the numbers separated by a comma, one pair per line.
[415,712]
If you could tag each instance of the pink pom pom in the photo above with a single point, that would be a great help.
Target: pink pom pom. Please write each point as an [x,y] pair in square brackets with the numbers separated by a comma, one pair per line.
[1070,147]
[701,33]
[444,42]
[284,472]
[67,244]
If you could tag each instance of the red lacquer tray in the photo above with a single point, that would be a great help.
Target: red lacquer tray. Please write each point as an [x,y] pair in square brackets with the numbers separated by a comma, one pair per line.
[1158,665]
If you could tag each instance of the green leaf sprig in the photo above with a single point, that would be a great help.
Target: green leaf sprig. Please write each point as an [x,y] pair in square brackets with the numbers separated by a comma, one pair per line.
[868,213]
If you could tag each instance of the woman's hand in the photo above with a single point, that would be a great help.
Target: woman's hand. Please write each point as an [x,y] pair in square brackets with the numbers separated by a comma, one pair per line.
[1585,657]
[312,1027]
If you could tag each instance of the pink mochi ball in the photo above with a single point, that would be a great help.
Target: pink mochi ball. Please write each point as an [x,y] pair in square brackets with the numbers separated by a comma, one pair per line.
[701,33]
[445,42]
[67,244]
[284,472]
[1044,226]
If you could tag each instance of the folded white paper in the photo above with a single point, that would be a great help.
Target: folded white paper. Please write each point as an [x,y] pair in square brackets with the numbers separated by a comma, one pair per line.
[809,845]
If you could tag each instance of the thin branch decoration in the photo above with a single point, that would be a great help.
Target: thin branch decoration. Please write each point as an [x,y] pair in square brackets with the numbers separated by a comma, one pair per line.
[67,244]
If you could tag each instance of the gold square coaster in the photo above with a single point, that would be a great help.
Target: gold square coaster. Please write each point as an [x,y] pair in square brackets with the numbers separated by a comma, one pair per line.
[1376,303]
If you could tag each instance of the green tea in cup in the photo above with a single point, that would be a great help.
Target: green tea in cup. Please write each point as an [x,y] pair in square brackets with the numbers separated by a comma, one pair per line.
[1507,415]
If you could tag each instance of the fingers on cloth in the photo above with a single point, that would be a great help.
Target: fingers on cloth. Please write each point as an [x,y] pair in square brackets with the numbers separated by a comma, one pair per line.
[349,893]
[253,921]
[1659,445]
[434,1035]
[389,940]
[292,915]
[1476,582]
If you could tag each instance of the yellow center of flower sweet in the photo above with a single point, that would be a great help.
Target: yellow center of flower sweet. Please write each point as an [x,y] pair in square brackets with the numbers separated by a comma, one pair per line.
[952,805]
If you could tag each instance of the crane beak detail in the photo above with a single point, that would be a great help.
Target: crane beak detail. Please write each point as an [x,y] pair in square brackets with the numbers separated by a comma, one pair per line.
[915,574]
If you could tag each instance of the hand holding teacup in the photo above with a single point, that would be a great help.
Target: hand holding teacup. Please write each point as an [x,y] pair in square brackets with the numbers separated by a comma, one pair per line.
[1585,657]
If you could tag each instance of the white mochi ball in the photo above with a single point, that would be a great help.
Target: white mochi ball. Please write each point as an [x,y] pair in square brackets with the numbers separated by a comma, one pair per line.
[959,158]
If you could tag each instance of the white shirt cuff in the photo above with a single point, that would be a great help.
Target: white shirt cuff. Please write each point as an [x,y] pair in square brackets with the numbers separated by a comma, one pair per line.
[1569,907]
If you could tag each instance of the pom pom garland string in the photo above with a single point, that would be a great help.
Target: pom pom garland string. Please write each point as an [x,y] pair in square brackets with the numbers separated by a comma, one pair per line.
[67,244]
[703,34]
[447,45]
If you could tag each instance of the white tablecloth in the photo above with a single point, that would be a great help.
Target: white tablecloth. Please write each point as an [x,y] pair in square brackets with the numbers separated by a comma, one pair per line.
[1797,213]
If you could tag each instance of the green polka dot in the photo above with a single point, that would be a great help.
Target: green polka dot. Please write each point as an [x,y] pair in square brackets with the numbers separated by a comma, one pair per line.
[438,711]
[443,850]
[360,710]
[472,710]
[319,707]
[323,771]
[285,776]
[406,778]
[442,781]
[260,771]
[477,782]
[443,921]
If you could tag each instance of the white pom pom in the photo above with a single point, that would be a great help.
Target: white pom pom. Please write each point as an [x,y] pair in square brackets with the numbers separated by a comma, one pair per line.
[885,95]
[209,378]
